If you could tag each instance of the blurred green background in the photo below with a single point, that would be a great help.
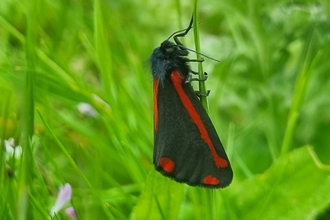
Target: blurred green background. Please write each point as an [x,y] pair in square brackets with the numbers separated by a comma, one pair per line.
[269,102]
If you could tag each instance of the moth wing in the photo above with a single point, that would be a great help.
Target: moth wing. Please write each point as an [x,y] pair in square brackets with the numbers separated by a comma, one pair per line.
[180,151]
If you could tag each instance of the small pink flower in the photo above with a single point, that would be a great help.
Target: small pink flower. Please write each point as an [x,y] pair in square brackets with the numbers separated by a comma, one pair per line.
[70,212]
[63,197]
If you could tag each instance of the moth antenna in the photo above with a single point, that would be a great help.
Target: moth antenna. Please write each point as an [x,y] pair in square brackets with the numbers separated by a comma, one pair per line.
[183,30]
[191,50]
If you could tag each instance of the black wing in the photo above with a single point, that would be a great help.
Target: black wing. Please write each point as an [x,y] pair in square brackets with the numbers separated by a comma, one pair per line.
[180,150]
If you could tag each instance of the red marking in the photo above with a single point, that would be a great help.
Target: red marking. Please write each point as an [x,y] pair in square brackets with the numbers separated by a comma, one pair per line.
[167,164]
[211,180]
[155,104]
[177,81]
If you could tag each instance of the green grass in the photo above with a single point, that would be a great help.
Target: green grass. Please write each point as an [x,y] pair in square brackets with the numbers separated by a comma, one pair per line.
[269,102]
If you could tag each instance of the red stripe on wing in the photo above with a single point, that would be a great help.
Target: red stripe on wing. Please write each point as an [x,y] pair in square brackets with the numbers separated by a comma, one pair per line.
[177,81]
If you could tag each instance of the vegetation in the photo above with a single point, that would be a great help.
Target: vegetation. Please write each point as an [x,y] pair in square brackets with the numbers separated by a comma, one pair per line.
[76,99]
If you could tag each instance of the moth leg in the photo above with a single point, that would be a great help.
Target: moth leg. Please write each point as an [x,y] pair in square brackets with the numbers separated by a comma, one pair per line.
[194,72]
[199,94]
[189,78]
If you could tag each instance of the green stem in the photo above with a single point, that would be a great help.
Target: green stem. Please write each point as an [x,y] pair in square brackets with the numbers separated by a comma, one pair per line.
[27,122]
[207,196]
[103,52]
[201,75]
[297,100]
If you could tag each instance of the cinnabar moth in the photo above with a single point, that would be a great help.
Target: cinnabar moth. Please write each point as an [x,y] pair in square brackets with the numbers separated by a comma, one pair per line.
[186,145]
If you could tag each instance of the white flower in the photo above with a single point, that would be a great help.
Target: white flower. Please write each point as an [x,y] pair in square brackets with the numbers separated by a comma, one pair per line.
[11,149]
[88,110]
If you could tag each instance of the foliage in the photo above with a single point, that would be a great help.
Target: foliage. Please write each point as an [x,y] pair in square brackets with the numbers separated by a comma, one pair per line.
[269,100]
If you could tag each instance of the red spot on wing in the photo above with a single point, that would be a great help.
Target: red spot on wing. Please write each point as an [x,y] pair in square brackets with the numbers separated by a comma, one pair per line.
[177,81]
[167,164]
[211,180]
[155,104]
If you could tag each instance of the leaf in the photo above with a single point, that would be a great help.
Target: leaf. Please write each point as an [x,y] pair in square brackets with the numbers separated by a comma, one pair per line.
[293,188]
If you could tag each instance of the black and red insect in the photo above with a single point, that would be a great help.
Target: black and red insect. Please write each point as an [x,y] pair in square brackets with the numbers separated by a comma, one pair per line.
[186,145]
